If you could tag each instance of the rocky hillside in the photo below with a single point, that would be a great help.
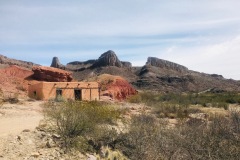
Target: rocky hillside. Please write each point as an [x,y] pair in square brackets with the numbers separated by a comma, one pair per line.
[5,61]
[156,74]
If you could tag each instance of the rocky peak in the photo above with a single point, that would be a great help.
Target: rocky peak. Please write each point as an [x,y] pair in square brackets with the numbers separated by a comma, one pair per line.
[153,61]
[108,58]
[56,63]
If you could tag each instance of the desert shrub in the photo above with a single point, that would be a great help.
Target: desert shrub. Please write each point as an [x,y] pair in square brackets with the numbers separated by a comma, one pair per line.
[149,138]
[210,141]
[75,121]
[109,154]
[139,142]
[235,120]
[143,97]
[59,98]
[135,99]
[163,110]
[13,99]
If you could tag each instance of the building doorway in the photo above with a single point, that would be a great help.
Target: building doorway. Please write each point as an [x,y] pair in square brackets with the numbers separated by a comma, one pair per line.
[78,94]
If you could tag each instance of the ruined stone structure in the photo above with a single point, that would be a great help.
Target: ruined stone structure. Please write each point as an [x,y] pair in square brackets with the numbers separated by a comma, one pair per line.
[68,90]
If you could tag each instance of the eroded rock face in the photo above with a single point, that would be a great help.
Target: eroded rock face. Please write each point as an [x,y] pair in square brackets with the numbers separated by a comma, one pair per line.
[108,58]
[126,64]
[9,61]
[16,72]
[165,64]
[56,63]
[51,74]
[15,79]
[115,87]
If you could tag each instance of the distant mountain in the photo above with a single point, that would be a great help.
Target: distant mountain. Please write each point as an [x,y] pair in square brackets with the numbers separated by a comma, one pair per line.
[156,75]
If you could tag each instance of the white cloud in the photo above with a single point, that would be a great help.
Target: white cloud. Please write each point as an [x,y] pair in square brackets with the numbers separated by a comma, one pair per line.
[221,58]
[198,34]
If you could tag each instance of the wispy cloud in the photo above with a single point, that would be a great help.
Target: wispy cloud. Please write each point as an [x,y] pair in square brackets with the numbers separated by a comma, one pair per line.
[203,35]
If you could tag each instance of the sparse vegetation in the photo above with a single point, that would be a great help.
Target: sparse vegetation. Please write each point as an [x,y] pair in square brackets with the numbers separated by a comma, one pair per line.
[204,99]
[178,105]
[11,98]
[78,123]
[149,138]
[88,127]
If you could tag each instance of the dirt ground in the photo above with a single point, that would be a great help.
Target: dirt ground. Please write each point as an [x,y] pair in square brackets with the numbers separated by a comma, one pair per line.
[15,118]
[20,139]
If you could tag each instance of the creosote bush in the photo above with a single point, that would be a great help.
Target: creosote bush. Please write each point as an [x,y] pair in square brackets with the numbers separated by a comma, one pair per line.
[151,138]
[77,121]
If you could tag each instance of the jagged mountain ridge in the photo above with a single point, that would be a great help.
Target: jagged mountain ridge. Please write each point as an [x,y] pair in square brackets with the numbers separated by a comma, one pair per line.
[157,74]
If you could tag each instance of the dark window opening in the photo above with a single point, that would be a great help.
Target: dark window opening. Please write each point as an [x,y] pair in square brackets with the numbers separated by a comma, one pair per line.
[35,93]
[58,92]
[78,94]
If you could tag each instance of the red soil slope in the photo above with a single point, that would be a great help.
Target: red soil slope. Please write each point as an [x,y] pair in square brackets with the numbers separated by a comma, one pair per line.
[14,81]
[115,87]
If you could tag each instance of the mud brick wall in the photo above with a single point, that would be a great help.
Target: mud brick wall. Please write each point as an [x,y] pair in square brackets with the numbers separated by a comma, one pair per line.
[48,90]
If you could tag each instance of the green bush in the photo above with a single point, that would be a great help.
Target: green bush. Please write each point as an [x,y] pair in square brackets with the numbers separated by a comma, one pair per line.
[76,120]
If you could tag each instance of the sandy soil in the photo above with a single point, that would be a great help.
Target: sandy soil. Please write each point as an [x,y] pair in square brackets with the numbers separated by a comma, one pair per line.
[15,118]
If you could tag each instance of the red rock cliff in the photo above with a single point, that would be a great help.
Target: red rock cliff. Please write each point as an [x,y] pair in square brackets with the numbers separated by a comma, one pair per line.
[50,74]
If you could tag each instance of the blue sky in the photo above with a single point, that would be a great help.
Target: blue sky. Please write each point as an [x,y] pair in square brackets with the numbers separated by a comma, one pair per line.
[203,35]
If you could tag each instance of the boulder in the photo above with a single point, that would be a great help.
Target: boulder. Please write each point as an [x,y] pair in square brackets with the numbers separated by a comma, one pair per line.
[153,61]
[51,74]
[56,63]
[108,58]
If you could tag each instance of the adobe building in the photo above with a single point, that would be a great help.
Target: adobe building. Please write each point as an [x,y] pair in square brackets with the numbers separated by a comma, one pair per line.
[68,90]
